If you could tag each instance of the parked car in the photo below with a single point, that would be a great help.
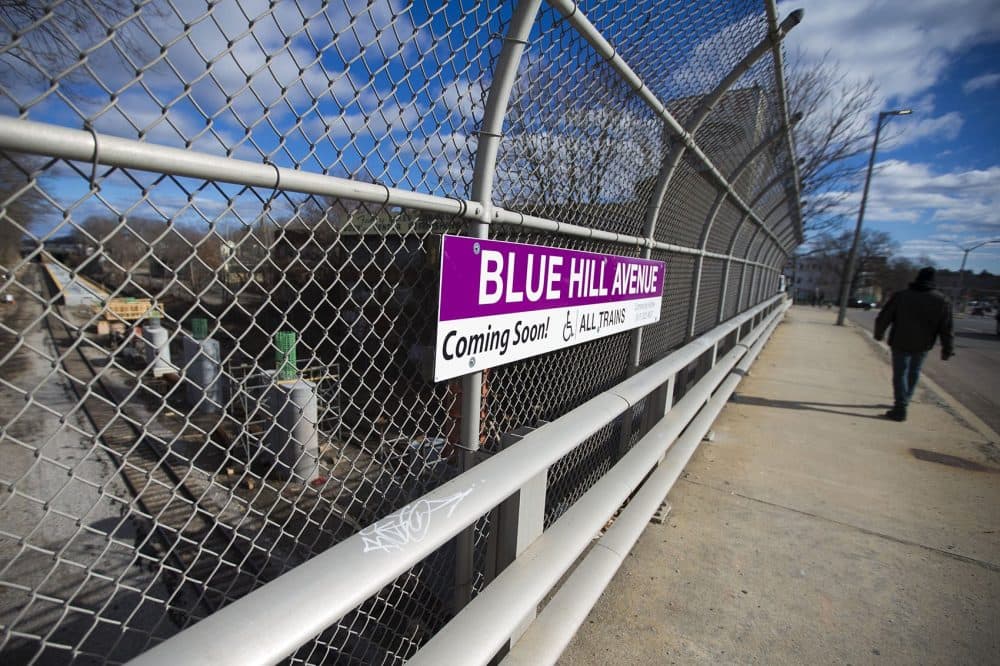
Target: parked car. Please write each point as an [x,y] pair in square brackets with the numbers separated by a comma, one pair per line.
[867,304]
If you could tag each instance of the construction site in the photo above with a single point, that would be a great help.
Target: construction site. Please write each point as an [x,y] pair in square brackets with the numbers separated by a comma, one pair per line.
[236,465]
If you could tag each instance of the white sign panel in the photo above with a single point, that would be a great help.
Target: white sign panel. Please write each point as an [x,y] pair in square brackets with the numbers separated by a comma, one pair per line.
[501,302]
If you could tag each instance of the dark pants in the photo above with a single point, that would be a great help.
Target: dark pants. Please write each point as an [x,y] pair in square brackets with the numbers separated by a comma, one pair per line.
[905,373]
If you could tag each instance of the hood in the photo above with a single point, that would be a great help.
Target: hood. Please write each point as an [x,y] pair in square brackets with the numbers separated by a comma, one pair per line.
[925,279]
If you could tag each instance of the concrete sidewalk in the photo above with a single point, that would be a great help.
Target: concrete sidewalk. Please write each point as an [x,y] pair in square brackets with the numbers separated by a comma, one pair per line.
[811,530]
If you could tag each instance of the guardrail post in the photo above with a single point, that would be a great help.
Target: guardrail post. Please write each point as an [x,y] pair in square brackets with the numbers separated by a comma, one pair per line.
[484,172]
[519,520]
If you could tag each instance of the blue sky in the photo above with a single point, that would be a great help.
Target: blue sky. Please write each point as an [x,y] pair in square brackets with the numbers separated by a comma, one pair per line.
[394,87]
[938,181]
[386,86]
[400,90]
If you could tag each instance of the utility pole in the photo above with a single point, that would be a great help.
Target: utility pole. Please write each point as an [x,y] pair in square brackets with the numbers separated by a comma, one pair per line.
[852,257]
[961,271]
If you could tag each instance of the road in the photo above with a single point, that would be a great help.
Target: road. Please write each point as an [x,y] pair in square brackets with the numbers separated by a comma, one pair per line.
[973,376]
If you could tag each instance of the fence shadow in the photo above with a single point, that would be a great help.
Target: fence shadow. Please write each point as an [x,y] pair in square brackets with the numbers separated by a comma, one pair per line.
[812,406]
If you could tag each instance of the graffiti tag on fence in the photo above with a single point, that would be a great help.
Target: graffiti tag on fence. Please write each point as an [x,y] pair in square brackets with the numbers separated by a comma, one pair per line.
[408,525]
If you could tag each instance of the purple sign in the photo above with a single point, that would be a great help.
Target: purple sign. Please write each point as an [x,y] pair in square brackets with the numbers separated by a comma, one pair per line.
[483,277]
[501,302]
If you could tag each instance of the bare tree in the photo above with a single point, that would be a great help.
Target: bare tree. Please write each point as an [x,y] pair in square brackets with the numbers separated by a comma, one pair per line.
[875,253]
[47,37]
[143,250]
[834,130]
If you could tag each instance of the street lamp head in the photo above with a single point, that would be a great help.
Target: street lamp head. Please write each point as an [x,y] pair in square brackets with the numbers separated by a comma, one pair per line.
[986,242]
[896,112]
[974,246]
[792,20]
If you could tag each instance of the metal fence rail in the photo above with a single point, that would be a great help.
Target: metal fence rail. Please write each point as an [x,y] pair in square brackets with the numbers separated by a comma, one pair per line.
[220,228]
[350,570]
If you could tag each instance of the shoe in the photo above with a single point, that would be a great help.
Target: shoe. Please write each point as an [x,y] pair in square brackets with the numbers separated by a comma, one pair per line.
[896,414]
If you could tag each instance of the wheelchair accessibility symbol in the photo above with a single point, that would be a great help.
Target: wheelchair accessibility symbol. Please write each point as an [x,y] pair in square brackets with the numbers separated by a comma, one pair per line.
[568,328]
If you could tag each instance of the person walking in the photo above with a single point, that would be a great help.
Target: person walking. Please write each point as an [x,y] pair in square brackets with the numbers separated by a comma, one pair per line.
[915,317]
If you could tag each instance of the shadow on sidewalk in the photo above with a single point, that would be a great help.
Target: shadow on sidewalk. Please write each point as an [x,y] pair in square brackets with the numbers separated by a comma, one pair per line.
[811,406]
[974,335]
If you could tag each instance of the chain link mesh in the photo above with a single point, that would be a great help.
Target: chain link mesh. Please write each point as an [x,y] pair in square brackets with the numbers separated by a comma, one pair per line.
[708,300]
[671,331]
[206,382]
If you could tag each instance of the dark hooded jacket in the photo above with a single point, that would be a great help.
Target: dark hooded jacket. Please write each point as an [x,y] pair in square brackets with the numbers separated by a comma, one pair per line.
[917,316]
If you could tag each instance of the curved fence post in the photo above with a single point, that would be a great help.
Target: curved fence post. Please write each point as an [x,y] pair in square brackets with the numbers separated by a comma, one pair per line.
[484,172]
[713,212]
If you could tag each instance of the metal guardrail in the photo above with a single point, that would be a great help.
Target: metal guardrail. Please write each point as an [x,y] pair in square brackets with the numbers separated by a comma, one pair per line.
[286,172]
[550,633]
[359,567]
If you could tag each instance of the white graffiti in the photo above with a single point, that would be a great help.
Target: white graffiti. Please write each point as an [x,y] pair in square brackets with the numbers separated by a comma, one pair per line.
[408,525]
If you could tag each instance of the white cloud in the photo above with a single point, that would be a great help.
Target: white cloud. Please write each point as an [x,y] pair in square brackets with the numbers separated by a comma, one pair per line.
[981,82]
[955,205]
[905,45]
[908,48]
[919,127]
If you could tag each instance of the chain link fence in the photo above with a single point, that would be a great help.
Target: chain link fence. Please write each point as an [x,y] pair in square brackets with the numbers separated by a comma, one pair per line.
[220,228]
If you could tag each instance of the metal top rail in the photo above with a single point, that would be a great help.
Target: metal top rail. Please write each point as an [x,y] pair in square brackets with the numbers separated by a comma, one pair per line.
[354,569]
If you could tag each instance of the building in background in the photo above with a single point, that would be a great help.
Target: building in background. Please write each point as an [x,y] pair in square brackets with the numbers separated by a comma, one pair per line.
[815,279]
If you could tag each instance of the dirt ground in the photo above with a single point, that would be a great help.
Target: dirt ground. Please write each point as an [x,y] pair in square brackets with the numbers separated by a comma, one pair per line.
[63,529]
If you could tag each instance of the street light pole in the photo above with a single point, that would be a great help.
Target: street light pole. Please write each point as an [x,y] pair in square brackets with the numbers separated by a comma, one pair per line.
[961,271]
[852,257]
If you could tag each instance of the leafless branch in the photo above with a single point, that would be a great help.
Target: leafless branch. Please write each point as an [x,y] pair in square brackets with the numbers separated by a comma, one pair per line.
[43,38]
[835,129]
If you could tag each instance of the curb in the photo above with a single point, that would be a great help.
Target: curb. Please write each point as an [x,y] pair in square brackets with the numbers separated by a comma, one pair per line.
[963,412]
